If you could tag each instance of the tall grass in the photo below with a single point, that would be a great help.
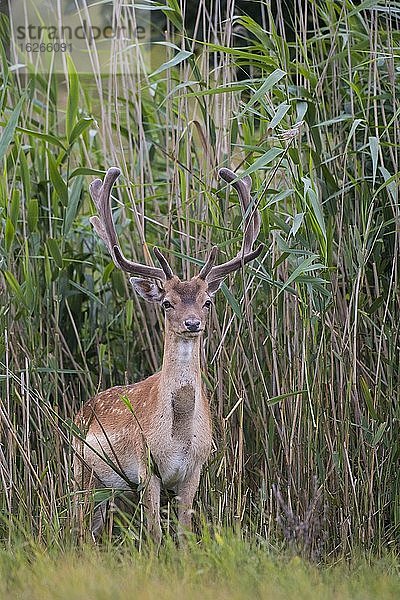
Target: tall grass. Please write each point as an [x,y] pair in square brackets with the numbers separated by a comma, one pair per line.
[303,348]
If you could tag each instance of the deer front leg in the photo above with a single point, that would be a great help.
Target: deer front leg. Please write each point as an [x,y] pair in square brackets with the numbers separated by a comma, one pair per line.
[185,495]
[151,500]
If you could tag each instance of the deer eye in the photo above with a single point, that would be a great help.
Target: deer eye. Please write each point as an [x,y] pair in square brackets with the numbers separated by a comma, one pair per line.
[207,304]
[167,304]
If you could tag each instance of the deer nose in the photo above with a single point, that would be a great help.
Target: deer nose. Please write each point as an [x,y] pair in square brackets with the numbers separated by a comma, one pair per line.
[192,324]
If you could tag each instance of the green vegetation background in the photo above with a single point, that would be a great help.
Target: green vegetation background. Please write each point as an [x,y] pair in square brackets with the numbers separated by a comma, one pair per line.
[303,347]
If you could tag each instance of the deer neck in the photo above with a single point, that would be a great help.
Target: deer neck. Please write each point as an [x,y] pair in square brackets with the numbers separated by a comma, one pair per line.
[180,385]
[181,362]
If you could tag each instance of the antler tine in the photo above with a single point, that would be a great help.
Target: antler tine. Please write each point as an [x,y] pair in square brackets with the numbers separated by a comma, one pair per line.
[208,265]
[101,195]
[164,263]
[105,228]
[251,214]
[252,223]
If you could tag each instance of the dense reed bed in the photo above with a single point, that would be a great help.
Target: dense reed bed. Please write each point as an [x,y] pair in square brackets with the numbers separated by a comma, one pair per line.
[302,351]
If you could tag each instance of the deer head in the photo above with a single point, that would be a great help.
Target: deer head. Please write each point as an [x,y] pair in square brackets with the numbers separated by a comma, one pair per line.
[186,303]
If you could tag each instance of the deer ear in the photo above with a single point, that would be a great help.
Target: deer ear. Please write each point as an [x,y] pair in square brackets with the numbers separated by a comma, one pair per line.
[214,286]
[147,289]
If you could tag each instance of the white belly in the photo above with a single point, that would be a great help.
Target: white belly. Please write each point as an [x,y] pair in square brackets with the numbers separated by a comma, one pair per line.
[175,459]
[113,470]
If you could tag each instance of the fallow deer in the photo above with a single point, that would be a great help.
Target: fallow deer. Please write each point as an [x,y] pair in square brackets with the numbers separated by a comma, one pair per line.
[163,421]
